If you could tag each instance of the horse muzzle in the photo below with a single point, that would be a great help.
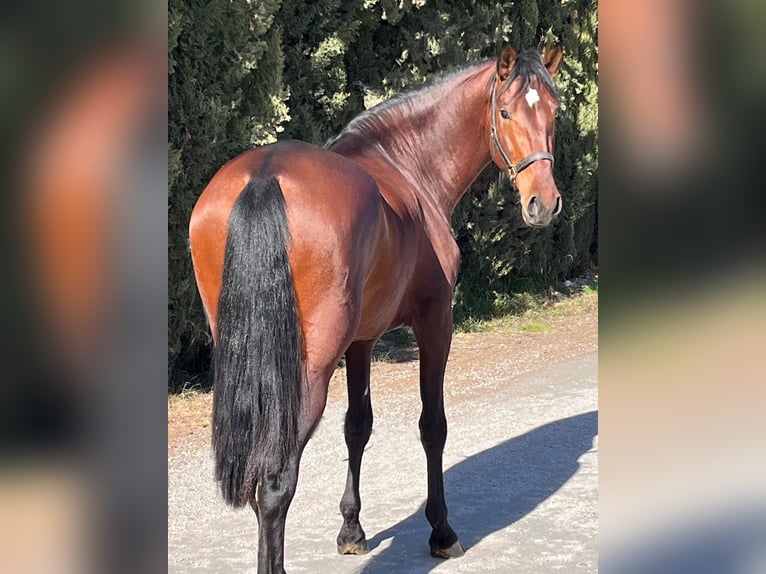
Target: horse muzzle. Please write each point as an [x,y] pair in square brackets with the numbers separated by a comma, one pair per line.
[536,214]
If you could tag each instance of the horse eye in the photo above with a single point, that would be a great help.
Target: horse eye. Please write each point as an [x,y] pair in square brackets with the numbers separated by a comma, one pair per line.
[504,113]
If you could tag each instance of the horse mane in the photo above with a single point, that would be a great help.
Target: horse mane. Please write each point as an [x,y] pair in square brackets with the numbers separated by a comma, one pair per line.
[407,103]
[528,65]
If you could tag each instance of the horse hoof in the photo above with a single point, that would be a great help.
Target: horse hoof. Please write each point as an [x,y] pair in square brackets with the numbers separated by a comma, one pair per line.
[354,548]
[454,551]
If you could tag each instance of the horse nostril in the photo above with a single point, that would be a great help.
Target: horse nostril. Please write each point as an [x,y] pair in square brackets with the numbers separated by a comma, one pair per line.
[533,206]
[559,205]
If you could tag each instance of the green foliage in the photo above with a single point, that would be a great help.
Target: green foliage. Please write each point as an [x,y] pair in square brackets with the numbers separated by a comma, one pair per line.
[246,72]
[224,90]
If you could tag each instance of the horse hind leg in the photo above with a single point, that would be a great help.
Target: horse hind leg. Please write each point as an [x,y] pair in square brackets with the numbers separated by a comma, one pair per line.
[357,430]
[276,485]
[275,492]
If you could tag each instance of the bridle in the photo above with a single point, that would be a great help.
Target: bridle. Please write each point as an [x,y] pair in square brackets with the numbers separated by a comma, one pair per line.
[513,169]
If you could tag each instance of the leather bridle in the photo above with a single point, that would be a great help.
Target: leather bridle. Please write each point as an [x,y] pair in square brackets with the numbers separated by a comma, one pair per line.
[513,169]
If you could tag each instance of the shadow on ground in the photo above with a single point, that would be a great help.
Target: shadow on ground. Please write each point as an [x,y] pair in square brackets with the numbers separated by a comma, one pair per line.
[490,491]
[397,346]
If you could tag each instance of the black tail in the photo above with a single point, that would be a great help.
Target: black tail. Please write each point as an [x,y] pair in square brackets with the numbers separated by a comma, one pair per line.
[257,369]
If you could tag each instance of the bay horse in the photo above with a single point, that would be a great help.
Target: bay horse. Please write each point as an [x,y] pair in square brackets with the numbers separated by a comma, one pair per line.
[303,254]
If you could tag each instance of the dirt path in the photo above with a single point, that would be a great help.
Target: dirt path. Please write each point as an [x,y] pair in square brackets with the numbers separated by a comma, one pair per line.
[520,465]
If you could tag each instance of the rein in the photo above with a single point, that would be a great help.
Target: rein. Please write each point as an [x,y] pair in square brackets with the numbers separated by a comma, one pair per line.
[513,169]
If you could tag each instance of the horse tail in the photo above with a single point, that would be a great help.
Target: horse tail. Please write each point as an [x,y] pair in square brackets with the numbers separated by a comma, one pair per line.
[257,357]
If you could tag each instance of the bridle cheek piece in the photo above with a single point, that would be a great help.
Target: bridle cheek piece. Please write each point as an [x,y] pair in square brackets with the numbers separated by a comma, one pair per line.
[513,169]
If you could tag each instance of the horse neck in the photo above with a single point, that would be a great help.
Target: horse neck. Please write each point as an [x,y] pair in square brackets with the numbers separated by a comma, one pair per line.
[452,145]
[440,142]
[455,144]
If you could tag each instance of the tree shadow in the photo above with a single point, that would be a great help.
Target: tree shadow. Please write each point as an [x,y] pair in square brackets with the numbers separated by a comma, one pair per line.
[490,491]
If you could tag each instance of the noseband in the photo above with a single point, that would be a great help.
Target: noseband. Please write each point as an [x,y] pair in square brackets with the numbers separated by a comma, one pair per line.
[513,169]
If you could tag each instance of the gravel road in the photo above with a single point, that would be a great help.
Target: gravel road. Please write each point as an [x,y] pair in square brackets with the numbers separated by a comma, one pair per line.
[520,474]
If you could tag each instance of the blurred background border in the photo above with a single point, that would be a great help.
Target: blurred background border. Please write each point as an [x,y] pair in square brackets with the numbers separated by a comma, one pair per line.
[680,221]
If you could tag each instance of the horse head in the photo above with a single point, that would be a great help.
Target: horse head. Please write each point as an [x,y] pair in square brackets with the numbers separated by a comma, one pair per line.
[522,114]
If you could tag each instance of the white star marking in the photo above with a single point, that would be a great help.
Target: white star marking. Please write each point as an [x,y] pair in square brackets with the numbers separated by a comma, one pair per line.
[532,97]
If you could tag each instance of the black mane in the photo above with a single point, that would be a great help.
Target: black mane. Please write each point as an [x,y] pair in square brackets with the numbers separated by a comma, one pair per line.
[410,100]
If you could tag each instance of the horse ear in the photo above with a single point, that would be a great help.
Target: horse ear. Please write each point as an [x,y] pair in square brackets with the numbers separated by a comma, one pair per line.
[552,59]
[505,63]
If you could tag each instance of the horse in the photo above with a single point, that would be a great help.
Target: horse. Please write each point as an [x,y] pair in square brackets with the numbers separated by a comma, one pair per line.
[304,253]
